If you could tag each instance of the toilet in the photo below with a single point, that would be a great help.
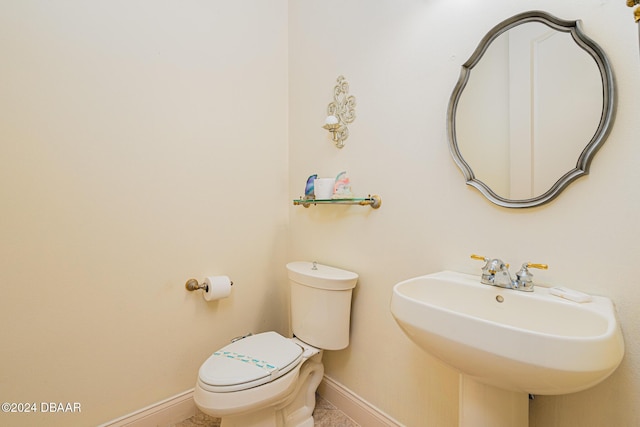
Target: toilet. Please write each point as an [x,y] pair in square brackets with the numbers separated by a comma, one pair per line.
[268,380]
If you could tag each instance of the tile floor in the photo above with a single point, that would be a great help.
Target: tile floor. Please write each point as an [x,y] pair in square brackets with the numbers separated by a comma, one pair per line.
[325,415]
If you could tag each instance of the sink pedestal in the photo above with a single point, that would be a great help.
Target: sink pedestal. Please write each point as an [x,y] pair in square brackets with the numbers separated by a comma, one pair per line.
[483,405]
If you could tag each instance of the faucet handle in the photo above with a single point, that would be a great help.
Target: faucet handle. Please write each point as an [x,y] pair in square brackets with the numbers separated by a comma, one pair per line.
[486,269]
[524,279]
[487,275]
[532,265]
[479,257]
[490,268]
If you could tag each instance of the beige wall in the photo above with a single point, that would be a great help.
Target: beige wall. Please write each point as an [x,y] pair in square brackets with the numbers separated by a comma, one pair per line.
[141,143]
[402,59]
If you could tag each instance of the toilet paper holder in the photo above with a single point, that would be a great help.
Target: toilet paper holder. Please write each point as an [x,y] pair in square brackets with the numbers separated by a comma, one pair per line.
[193,285]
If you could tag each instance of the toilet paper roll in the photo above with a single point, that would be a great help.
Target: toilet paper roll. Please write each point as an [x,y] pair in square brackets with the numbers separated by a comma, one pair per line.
[217,287]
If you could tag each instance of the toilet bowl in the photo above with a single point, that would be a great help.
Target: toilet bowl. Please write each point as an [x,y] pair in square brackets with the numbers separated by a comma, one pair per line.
[268,380]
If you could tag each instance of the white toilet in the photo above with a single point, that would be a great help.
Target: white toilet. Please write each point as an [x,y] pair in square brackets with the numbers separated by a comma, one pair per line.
[268,380]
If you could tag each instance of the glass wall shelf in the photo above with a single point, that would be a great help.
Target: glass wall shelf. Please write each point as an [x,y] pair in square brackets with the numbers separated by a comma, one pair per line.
[374,201]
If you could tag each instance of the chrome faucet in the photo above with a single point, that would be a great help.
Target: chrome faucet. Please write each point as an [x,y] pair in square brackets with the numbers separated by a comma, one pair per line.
[496,273]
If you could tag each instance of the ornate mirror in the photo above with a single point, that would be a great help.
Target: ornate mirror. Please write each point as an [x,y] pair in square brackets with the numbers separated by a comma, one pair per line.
[533,104]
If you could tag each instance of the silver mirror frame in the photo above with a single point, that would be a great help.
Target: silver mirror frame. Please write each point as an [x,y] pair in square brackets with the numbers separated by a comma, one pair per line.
[604,127]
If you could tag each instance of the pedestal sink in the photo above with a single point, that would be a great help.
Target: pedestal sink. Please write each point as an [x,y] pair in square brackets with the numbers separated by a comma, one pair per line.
[508,342]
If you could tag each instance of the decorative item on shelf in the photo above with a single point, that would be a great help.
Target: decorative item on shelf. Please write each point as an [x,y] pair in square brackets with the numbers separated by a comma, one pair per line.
[309,187]
[341,112]
[329,191]
[323,188]
[342,187]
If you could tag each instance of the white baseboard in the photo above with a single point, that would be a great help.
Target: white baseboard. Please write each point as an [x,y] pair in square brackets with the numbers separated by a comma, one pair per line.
[181,406]
[358,409]
[160,414]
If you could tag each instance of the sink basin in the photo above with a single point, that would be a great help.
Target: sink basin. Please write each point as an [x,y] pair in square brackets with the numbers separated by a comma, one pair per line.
[531,342]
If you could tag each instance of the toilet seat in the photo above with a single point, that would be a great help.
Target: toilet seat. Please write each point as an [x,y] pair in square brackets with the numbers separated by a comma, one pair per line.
[249,362]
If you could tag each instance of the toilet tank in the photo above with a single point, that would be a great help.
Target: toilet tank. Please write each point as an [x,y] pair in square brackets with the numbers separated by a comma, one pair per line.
[321,304]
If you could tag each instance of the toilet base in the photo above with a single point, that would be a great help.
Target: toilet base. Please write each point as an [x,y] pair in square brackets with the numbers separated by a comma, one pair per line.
[299,412]
[293,409]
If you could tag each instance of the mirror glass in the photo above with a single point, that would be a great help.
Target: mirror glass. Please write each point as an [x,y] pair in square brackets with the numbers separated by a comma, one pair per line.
[532,106]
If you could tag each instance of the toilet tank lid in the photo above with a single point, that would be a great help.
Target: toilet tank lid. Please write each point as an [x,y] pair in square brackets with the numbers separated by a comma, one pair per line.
[321,276]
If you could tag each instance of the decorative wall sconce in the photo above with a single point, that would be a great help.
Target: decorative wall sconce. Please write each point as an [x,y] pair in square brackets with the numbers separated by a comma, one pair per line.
[341,112]
[636,13]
